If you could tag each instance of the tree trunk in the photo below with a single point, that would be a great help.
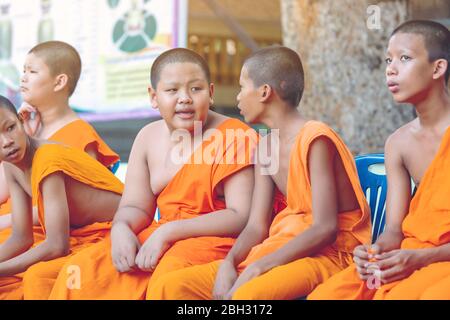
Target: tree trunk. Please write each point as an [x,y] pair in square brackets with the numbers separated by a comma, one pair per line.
[343,58]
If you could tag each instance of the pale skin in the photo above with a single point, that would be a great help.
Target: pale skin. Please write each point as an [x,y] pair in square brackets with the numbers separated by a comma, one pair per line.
[331,191]
[67,202]
[409,151]
[46,96]
[182,88]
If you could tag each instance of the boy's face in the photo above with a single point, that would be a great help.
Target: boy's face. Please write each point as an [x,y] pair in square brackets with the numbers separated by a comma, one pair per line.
[13,139]
[409,73]
[182,95]
[248,98]
[37,83]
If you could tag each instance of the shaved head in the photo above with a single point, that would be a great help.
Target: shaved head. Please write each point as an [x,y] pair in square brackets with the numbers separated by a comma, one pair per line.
[177,55]
[436,38]
[7,105]
[61,58]
[281,69]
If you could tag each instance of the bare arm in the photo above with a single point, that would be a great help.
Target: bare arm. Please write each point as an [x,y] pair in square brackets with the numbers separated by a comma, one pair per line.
[257,227]
[136,209]
[4,191]
[6,219]
[398,195]
[137,206]
[57,226]
[21,237]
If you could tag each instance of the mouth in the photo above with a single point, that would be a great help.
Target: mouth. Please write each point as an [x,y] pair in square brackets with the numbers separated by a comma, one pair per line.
[393,86]
[12,154]
[23,89]
[185,114]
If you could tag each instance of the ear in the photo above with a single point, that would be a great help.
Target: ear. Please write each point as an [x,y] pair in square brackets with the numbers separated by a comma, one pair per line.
[211,94]
[152,95]
[265,91]
[440,68]
[61,82]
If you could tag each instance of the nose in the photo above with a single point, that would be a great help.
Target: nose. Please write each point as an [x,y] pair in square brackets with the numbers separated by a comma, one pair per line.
[6,141]
[391,69]
[23,77]
[184,97]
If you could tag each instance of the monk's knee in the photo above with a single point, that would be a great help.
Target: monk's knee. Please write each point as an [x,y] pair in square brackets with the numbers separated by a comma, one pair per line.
[247,292]
[165,287]
[433,293]
[33,273]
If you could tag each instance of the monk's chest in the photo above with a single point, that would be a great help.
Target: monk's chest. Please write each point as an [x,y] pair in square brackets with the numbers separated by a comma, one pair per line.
[162,173]
[418,156]
[281,175]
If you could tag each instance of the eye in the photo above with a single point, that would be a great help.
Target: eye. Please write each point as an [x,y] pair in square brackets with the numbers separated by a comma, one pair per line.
[11,127]
[388,60]
[196,89]
[404,58]
[171,90]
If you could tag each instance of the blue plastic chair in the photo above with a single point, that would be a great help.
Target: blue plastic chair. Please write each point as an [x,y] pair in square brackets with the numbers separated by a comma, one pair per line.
[372,176]
[115,166]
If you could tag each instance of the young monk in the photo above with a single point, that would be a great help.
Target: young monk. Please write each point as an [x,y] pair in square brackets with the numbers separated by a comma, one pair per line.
[203,204]
[51,73]
[286,256]
[413,252]
[76,197]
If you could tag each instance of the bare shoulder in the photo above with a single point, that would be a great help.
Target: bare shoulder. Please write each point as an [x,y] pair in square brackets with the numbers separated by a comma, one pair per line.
[11,172]
[150,129]
[398,140]
[215,119]
[321,150]
[152,134]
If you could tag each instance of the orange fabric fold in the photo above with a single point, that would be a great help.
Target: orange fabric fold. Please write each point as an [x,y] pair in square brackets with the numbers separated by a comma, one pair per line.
[80,134]
[191,193]
[426,225]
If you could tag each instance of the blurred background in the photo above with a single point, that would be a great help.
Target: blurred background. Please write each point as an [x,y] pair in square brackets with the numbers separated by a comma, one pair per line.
[341,43]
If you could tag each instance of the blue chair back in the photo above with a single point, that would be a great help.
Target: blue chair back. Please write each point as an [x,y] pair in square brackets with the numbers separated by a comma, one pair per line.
[114,167]
[372,176]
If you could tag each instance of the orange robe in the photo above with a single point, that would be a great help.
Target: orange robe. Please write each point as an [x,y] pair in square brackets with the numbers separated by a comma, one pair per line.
[78,134]
[426,225]
[441,289]
[37,281]
[191,193]
[299,277]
